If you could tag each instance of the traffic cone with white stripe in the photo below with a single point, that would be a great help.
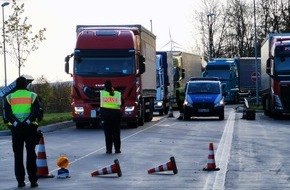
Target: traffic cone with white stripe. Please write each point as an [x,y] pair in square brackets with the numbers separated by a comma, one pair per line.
[41,162]
[211,160]
[171,165]
[110,169]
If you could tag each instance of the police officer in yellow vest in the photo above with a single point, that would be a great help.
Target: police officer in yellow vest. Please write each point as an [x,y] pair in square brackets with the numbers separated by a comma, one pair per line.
[110,103]
[21,109]
[179,94]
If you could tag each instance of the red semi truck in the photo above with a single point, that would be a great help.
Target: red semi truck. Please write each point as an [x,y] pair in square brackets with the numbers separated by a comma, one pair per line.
[275,69]
[123,54]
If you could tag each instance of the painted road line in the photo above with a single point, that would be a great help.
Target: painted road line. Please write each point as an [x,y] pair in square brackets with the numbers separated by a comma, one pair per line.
[216,179]
[123,139]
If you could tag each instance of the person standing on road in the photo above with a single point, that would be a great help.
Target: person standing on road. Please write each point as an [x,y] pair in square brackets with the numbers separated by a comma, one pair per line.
[179,95]
[110,103]
[21,109]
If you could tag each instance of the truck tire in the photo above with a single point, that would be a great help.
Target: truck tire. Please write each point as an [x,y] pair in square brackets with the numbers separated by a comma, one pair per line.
[150,107]
[141,119]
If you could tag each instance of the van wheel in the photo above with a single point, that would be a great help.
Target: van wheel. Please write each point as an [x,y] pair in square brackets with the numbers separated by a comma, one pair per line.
[222,116]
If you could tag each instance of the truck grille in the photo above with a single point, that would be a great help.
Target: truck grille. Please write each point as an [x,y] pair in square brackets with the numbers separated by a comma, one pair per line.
[285,96]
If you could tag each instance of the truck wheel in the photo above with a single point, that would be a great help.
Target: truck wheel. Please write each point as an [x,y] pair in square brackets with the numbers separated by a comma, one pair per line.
[150,108]
[141,119]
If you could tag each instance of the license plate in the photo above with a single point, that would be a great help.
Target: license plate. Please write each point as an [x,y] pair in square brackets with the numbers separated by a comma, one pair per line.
[203,110]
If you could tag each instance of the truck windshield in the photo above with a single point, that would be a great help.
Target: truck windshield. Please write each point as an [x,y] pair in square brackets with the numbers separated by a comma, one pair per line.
[203,88]
[221,74]
[104,66]
[282,64]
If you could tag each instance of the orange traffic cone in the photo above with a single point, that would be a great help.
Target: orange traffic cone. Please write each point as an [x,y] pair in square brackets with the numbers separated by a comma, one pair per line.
[211,160]
[42,169]
[170,114]
[114,168]
[171,165]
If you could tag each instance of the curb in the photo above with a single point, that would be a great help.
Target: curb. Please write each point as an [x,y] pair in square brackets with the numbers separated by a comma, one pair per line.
[46,128]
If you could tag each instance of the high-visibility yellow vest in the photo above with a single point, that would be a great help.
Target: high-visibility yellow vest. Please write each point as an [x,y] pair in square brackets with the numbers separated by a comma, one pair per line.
[21,101]
[181,93]
[108,101]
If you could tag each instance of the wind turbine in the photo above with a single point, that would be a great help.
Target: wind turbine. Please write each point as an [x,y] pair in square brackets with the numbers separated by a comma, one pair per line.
[172,43]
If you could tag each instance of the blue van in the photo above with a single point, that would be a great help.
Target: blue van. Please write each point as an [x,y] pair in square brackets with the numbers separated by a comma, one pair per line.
[203,97]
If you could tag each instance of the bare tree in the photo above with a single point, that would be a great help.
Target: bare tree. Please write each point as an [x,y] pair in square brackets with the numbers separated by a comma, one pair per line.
[20,37]
[233,27]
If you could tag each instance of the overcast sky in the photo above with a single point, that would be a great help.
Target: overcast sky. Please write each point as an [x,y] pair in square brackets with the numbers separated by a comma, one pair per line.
[60,18]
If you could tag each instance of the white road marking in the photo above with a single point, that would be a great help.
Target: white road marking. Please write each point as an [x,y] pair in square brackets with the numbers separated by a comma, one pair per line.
[216,179]
[123,139]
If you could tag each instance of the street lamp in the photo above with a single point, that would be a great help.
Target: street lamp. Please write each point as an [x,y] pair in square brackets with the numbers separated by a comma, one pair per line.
[256,55]
[210,37]
[4,50]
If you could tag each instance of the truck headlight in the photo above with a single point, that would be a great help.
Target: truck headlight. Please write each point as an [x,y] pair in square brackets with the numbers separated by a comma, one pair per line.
[278,103]
[129,109]
[79,110]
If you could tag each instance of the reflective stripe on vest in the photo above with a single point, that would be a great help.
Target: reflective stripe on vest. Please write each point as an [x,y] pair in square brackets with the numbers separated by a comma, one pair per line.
[108,101]
[21,102]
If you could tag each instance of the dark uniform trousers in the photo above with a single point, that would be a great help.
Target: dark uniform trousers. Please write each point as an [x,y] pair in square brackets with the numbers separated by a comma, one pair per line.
[25,135]
[111,122]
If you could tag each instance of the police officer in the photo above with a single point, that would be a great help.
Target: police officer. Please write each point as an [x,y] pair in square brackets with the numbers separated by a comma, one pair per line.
[21,109]
[111,102]
[179,95]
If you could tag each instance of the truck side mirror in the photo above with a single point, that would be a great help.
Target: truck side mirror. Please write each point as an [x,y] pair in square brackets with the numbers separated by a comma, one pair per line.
[142,66]
[66,67]
[183,74]
[223,86]
[225,94]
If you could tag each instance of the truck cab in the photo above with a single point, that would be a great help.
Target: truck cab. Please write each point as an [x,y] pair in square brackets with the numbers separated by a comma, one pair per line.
[275,85]
[226,70]
[159,105]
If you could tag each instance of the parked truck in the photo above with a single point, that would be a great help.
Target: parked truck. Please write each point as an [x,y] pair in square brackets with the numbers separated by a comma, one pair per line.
[123,54]
[248,76]
[164,81]
[185,65]
[226,69]
[275,68]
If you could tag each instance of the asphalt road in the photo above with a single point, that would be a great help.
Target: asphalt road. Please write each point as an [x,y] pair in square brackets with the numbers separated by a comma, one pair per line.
[251,154]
